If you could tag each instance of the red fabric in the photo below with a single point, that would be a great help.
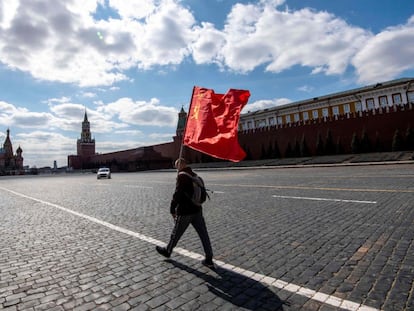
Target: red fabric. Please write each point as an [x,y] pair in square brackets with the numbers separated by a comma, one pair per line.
[213,121]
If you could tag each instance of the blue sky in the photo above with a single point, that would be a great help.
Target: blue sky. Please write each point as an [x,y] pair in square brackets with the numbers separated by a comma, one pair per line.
[132,64]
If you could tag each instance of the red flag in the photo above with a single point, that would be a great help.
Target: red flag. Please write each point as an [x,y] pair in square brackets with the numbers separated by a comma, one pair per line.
[212,123]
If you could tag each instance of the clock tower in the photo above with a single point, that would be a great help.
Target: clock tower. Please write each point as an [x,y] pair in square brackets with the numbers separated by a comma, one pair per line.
[85,144]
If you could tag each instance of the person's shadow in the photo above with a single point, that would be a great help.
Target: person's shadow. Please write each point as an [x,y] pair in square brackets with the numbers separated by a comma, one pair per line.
[237,289]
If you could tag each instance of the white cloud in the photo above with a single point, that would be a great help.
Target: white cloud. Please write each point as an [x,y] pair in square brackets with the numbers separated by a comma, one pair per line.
[165,37]
[130,132]
[41,148]
[387,54]
[140,112]
[306,88]
[133,9]
[63,99]
[68,110]
[106,118]
[6,109]
[263,35]
[59,43]
[63,116]
[263,104]
[67,41]
[32,119]
[88,94]
[207,44]
[62,41]
[69,117]
[11,115]
[8,10]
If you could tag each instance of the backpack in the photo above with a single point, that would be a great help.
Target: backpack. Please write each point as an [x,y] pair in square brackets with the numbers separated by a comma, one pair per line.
[200,193]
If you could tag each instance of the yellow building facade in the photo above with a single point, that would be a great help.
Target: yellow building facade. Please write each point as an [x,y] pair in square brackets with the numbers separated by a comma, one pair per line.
[381,95]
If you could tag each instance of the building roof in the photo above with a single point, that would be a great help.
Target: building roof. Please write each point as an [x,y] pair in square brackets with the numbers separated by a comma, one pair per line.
[334,95]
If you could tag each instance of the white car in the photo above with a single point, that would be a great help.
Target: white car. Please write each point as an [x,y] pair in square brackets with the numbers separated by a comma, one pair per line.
[103,172]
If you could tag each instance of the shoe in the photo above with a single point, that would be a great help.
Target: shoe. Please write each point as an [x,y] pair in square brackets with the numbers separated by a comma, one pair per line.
[208,263]
[163,251]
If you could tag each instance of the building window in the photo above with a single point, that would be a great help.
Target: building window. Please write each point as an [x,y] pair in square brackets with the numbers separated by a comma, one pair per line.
[410,96]
[305,115]
[249,124]
[383,101]
[335,110]
[296,117]
[325,112]
[370,103]
[279,120]
[272,121]
[287,118]
[315,114]
[396,98]
[260,123]
[347,109]
[358,106]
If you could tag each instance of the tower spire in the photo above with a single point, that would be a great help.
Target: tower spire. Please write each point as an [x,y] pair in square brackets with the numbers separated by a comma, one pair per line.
[86,145]
[182,117]
[7,146]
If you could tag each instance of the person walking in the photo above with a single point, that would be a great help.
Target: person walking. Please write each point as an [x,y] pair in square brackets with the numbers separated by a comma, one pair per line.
[185,212]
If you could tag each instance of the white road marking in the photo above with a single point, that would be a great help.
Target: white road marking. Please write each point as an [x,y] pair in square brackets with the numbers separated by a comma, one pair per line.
[293,288]
[323,199]
[214,191]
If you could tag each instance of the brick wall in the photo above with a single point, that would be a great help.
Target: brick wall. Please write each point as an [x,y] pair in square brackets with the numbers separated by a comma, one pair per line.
[379,126]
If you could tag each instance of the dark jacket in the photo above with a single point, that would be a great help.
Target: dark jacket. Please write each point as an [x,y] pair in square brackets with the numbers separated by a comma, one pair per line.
[181,203]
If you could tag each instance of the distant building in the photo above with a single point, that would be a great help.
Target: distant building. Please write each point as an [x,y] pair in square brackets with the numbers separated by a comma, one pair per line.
[381,96]
[10,163]
[182,119]
[85,147]
[137,159]
[375,118]
[367,119]
[85,144]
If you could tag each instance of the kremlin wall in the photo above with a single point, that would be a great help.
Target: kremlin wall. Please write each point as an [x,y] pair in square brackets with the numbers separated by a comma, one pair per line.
[376,118]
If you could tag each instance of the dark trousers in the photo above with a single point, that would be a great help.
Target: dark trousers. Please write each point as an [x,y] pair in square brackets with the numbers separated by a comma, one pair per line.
[182,223]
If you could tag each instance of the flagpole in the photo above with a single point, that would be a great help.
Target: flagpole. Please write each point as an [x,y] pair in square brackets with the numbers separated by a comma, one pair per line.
[185,126]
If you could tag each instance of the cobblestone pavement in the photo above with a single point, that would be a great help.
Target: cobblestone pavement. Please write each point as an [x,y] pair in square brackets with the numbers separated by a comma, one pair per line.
[332,238]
